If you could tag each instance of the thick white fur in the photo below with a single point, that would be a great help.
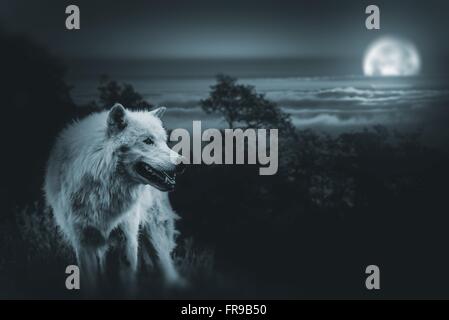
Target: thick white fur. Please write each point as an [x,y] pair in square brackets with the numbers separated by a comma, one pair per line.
[93,189]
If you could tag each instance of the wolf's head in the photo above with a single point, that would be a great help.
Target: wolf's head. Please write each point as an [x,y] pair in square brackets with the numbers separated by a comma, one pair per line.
[139,141]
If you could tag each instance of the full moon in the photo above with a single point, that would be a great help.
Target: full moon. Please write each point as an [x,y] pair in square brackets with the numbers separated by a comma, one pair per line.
[391,57]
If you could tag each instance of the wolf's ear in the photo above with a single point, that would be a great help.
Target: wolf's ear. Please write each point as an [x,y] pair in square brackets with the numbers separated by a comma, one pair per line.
[117,118]
[159,112]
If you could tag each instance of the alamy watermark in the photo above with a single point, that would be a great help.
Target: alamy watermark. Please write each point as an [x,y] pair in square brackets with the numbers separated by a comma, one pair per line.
[72,21]
[372,282]
[249,146]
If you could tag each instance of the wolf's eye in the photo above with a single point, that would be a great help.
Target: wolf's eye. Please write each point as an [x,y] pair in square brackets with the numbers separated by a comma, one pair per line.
[148,141]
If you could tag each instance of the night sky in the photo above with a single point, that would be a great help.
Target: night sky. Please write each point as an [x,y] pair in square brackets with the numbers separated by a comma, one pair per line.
[230,29]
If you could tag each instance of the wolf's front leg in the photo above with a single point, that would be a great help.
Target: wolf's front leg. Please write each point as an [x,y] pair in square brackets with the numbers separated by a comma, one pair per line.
[162,237]
[89,269]
[89,252]
[123,254]
[128,271]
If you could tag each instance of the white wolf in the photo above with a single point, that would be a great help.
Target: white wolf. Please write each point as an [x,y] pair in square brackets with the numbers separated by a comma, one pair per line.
[110,172]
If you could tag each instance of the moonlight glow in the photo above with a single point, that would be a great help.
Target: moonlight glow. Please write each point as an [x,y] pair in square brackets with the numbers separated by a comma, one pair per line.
[391,57]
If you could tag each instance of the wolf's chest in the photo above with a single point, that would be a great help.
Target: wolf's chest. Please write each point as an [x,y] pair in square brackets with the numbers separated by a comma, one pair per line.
[96,200]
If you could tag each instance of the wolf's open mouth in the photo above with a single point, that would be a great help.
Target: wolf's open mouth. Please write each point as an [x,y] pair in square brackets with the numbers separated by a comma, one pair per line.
[160,179]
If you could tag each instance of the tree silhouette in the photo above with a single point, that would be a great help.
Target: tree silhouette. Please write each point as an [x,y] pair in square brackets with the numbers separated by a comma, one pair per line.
[111,92]
[241,104]
[36,105]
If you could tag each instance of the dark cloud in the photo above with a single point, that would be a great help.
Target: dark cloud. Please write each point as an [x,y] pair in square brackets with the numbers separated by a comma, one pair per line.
[226,29]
